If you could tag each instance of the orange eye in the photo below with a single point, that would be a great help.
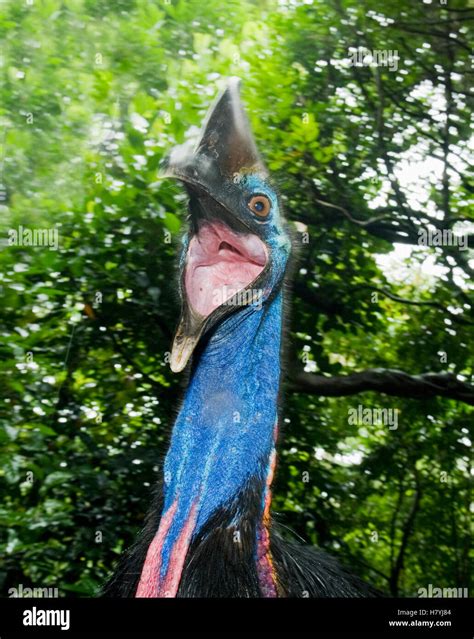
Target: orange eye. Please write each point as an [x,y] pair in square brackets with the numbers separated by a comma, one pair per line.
[260,205]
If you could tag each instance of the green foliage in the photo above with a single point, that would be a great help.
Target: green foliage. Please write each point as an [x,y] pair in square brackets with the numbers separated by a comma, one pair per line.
[94,94]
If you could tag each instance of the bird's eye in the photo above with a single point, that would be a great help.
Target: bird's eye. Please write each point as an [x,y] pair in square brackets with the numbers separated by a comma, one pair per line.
[260,205]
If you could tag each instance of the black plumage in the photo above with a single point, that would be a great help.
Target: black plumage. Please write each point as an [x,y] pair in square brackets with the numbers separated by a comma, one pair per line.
[219,566]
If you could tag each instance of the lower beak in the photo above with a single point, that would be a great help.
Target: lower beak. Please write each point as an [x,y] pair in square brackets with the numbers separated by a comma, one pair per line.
[221,269]
[187,336]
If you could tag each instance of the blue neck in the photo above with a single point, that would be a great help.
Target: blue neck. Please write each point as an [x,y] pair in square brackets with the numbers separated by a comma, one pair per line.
[224,433]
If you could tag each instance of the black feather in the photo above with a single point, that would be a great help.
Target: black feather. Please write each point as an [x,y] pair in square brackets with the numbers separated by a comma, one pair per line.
[221,559]
[305,571]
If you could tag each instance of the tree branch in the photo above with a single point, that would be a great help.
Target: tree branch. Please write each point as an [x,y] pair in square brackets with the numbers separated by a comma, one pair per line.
[407,531]
[384,380]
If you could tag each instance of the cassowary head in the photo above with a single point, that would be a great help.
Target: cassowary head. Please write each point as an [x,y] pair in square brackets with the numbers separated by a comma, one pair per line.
[237,247]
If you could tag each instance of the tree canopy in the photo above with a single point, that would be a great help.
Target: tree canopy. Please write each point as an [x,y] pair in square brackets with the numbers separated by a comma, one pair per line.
[362,112]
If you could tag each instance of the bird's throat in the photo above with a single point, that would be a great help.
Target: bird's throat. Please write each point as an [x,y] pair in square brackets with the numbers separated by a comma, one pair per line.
[223,441]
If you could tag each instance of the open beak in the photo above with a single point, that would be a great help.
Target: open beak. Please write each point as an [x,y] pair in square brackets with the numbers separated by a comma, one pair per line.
[225,258]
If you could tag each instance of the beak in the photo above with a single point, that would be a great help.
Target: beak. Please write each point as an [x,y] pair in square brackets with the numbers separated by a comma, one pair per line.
[210,170]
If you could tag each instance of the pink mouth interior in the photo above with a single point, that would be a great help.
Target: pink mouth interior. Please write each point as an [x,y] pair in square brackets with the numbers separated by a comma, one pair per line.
[220,263]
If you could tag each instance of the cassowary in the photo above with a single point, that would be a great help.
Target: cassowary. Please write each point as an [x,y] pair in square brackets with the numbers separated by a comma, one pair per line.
[209,532]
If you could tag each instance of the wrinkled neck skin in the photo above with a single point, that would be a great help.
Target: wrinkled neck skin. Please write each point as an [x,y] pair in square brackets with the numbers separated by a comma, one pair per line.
[223,437]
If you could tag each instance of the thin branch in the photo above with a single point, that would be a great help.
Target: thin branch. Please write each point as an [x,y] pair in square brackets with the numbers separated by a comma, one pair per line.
[393,521]
[431,22]
[446,137]
[94,315]
[435,34]
[122,351]
[455,220]
[402,300]
[454,10]
[375,225]
[371,220]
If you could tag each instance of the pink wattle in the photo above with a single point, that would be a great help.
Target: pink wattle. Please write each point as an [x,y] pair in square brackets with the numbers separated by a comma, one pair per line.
[169,586]
[151,584]
[148,585]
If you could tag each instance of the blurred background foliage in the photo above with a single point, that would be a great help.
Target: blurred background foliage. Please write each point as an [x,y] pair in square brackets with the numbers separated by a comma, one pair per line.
[93,94]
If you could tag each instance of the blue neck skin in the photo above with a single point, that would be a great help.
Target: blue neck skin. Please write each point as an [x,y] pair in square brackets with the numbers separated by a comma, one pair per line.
[224,431]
